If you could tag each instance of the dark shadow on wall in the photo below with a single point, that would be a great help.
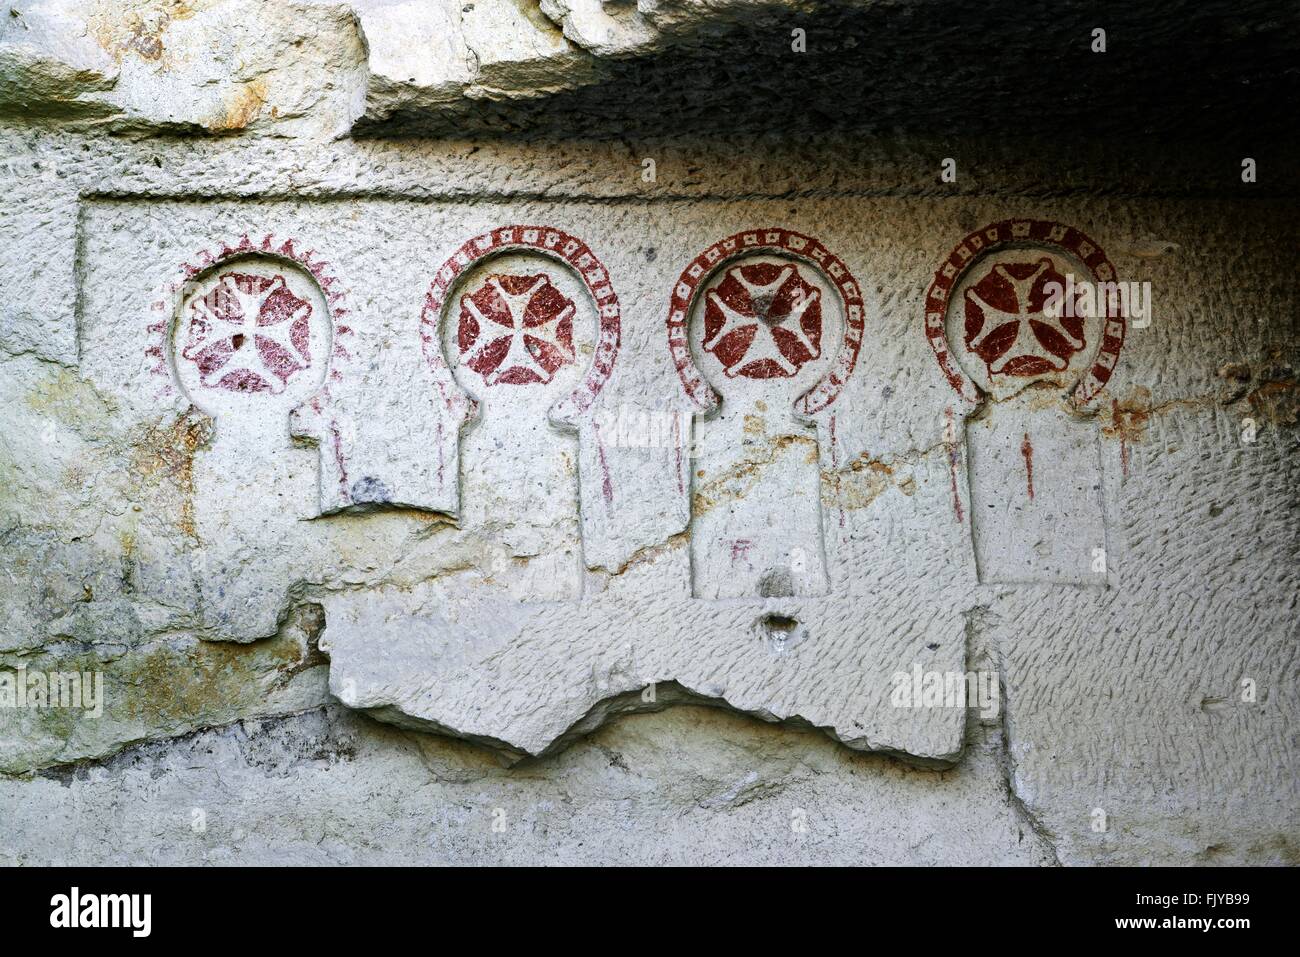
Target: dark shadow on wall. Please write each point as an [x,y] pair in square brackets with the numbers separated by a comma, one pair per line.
[1213,74]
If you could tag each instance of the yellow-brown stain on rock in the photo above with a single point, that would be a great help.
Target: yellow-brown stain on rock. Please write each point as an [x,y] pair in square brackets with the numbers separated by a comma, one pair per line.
[178,686]
[74,402]
[241,107]
[1277,401]
[737,481]
[163,456]
[1129,416]
[206,679]
[857,485]
[1270,388]
[137,28]
[127,538]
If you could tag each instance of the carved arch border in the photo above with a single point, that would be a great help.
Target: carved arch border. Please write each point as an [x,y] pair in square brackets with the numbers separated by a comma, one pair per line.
[1028,233]
[170,301]
[556,244]
[773,240]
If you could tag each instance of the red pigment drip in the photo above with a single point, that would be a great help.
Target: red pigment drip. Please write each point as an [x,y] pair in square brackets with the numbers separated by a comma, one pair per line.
[954,459]
[1027,450]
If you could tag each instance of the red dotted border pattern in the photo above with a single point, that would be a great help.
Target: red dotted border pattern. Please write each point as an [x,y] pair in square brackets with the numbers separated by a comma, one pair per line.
[170,300]
[558,245]
[772,240]
[1029,233]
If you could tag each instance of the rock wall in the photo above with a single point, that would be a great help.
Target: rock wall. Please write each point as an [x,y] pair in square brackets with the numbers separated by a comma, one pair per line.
[421,449]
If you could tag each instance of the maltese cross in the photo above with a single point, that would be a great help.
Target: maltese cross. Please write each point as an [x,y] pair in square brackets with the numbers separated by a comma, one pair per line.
[538,339]
[244,328]
[1028,343]
[755,321]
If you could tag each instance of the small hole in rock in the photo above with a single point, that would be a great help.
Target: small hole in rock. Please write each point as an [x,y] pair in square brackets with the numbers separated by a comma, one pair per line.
[778,626]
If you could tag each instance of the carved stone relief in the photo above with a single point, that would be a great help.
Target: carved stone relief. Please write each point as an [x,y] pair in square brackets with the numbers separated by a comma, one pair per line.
[519,328]
[438,479]
[249,332]
[1001,319]
[761,325]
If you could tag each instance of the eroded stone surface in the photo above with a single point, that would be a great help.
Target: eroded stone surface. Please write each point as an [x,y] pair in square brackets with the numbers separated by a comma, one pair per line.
[224,550]
[211,66]
[692,785]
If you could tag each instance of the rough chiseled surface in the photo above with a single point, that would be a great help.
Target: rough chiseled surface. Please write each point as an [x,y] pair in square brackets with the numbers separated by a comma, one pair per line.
[240,571]
[687,786]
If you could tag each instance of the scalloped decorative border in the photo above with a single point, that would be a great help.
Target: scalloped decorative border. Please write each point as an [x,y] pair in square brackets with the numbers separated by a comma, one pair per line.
[1028,233]
[168,302]
[560,246]
[773,240]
